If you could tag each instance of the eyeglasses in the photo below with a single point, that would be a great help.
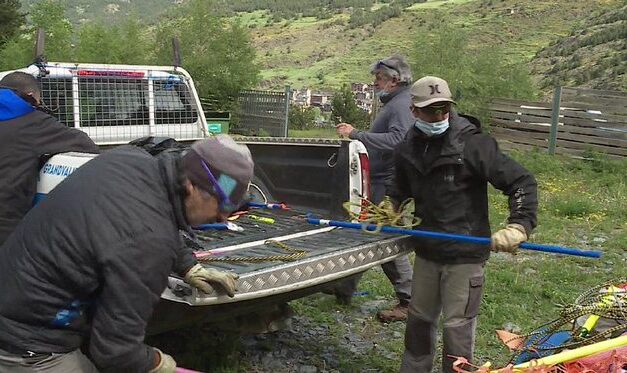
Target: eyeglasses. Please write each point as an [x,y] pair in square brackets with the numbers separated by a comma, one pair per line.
[225,204]
[434,109]
[381,63]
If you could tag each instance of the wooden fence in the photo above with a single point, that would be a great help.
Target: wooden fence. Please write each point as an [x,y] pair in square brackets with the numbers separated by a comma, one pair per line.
[588,120]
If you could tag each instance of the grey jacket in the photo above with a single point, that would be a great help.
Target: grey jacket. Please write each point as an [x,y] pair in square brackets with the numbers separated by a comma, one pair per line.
[387,131]
[92,259]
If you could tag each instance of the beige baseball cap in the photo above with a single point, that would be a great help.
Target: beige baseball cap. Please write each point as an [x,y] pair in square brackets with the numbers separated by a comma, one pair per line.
[429,90]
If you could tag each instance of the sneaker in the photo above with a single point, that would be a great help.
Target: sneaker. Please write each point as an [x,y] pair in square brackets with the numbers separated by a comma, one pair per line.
[396,313]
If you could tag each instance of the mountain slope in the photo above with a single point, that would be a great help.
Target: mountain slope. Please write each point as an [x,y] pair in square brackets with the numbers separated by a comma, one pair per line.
[576,42]
[80,11]
[327,53]
[594,55]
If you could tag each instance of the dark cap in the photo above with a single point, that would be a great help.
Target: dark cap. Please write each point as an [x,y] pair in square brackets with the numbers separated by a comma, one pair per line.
[230,164]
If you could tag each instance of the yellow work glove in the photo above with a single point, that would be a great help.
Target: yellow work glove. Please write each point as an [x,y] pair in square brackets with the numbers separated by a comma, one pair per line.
[206,280]
[508,238]
[166,363]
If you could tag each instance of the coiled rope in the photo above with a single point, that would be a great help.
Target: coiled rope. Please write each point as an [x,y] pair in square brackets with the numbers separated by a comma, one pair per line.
[599,300]
[383,214]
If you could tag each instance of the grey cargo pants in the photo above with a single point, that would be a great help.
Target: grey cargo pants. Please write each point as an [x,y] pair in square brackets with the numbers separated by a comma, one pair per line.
[398,271]
[455,291]
[71,362]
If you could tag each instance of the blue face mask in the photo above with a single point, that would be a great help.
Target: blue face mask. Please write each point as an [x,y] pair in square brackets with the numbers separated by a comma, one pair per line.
[382,94]
[432,129]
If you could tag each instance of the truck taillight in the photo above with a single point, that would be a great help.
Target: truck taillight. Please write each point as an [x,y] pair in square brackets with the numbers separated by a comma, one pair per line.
[110,73]
[364,161]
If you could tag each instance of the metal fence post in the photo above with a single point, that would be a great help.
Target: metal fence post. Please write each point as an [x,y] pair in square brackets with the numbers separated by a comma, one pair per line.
[288,92]
[555,118]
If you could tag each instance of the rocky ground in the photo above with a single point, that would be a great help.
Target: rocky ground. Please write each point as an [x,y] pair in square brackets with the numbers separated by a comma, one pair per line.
[308,347]
[340,340]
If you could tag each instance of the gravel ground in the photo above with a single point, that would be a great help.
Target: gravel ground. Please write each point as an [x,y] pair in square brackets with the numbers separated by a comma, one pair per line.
[342,343]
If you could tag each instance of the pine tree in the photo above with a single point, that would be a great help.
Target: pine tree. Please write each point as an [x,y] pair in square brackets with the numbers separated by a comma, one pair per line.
[11,19]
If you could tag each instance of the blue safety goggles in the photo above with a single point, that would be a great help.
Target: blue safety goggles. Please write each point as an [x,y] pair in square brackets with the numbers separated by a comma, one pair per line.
[224,204]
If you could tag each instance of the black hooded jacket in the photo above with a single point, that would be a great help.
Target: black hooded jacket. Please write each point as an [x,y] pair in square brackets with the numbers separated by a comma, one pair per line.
[448,177]
[26,135]
[92,259]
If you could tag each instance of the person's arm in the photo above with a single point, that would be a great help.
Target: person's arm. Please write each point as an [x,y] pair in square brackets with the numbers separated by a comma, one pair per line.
[399,189]
[398,124]
[483,154]
[206,280]
[134,274]
[53,137]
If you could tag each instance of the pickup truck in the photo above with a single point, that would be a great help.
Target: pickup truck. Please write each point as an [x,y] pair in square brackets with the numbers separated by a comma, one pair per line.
[115,104]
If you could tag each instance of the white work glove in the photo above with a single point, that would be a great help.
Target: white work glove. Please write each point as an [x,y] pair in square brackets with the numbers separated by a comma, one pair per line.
[508,238]
[166,363]
[205,279]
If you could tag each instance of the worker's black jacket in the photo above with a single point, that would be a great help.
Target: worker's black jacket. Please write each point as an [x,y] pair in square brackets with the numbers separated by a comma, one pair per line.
[92,259]
[26,135]
[448,176]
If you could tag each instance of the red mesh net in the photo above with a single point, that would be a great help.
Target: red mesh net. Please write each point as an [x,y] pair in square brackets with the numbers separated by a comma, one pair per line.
[613,361]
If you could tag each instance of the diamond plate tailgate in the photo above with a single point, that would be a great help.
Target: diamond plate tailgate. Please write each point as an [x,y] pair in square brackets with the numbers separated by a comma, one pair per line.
[331,254]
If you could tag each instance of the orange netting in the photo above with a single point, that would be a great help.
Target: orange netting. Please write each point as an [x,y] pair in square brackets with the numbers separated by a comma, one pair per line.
[614,361]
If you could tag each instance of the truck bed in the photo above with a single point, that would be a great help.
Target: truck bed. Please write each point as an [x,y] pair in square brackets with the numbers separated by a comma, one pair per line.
[311,176]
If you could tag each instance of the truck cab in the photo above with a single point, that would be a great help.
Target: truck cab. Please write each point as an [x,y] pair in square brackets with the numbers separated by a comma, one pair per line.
[115,104]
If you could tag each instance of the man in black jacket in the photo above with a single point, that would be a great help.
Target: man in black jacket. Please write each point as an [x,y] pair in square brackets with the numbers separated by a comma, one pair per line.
[445,164]
[26,134]
[392,77]
[92,259]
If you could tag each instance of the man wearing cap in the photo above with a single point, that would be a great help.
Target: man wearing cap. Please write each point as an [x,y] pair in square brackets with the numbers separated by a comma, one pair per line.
[445,163]
[91,261]
[392,77]
[26,134]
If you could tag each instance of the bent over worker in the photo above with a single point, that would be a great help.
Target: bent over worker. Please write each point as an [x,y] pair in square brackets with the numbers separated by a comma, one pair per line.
[445,163]
[92,260]
[26,134]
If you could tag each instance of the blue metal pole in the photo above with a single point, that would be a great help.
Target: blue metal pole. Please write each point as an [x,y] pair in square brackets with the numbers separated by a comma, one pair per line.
[456,237]
[272,206]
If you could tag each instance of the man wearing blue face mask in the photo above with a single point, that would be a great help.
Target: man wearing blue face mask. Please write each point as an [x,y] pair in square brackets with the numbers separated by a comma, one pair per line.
[445,163]
[392,77]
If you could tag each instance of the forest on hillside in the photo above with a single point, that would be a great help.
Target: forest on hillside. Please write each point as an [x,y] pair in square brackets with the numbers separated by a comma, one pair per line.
[593,55]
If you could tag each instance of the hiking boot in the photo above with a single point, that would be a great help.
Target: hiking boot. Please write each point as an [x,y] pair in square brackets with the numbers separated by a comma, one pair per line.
[396,313]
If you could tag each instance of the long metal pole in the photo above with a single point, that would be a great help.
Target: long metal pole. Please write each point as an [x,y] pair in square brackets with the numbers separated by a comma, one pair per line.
[455,237]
